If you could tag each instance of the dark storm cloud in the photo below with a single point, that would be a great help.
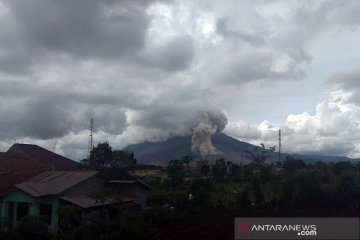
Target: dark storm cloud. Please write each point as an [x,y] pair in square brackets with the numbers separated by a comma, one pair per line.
[43,119]
[89,29]
[46,119]
[175,110]
[143,69]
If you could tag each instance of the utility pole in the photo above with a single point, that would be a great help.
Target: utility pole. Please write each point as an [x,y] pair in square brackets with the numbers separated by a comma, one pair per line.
[91,145]
[54,146]
[279,145]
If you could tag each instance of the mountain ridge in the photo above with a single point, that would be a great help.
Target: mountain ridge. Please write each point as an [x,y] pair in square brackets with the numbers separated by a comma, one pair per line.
[160,153]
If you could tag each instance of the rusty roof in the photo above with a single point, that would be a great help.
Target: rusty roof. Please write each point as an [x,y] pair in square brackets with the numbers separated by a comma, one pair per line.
[85,201]
[53,183]
[15,169]
[43,156]
[131,182]
[125,205]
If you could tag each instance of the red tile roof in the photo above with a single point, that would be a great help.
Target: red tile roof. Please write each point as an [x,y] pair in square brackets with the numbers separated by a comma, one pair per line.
[53,183]
[43,156]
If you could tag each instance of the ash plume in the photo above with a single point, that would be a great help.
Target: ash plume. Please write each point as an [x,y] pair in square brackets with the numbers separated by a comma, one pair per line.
[209,123]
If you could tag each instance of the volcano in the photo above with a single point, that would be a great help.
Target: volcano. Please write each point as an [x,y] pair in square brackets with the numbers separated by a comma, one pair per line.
[161,153]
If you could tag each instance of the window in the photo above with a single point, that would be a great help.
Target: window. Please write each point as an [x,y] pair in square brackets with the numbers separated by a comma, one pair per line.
[22,210]
[45,213]
[10,211]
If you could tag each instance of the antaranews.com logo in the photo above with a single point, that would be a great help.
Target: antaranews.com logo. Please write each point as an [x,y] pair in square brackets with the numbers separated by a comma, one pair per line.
[297,228]
[300,230]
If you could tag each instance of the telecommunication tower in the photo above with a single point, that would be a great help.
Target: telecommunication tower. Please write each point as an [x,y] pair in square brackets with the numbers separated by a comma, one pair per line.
[279,145]
[91,144]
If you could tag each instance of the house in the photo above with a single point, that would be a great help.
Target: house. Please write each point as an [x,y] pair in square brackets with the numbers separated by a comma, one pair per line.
[43,195]
[142,170]
[24,161]
[42,156]
[133,188]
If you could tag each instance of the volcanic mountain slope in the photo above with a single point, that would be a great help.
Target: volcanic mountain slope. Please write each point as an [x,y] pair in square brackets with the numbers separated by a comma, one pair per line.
[160,153]
[177,147]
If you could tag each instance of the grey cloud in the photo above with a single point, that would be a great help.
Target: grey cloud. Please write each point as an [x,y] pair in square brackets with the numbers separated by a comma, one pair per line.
[63,62]
[243,130]
[110,119]
[254,66]
[349,82]
[223,28]
[42,119]
[166,118]
[173,55]
[45,118]
[83,29]
[342,13]
[175,111]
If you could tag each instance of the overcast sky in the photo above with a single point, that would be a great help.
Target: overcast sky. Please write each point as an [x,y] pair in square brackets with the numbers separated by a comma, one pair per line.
[143,70]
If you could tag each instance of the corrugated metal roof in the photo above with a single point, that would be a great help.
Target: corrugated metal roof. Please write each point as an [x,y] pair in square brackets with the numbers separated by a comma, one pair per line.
[123,181]
[53,183]
[15,169]
[145,167]
[85,201]
[130,182]
[125,205]
[36,153]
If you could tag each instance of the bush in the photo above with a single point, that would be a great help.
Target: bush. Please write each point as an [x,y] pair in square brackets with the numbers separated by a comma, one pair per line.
[243,198]
[30,228]
[163,214]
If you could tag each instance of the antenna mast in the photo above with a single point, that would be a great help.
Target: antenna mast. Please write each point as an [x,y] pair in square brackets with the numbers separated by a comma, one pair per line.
[54,146]
[279,144]
[91,145]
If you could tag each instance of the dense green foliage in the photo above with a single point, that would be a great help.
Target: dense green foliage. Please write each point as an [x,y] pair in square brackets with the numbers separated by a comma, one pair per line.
[27,228]
[289,185]
[112,163]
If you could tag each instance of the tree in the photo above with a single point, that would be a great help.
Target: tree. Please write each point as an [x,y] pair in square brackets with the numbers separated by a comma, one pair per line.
[256,188]
[205,169]
[100,158]
[349,187]
[259,154]
[186,160]
[291,164]
[219,169]
[243,198]
[175,171]
[236,170]
[113,164]
[201,190]
[123,159]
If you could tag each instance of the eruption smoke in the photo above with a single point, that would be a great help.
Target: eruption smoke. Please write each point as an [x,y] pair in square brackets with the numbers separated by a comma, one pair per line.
[209,123]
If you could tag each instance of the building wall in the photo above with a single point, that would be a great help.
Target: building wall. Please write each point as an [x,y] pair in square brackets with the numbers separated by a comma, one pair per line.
[17,197]
[133,190]
[141,194]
